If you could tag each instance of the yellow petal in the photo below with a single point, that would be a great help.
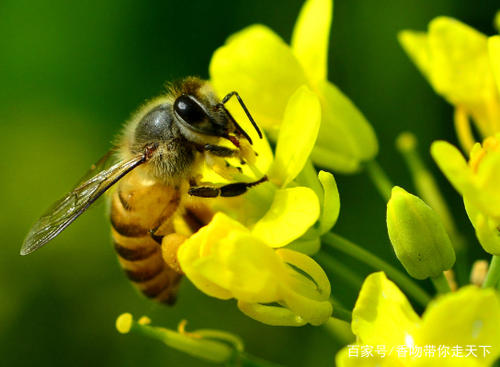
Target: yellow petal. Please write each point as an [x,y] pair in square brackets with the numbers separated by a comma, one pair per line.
[197,252]
[293,212]
[204,284]
[312,311]
[487,182]
[344,133]
[460,67]
[262,68]
[310,267]
[247,267]
[198,246]
[416,45]
[382,314]
[478,182]
[494,52]
[485,227]
[331,202]
[452,164]
[297,136]
[310,38]
[343,359]
[306,246]
[449,361]
[469,316]
[335,160]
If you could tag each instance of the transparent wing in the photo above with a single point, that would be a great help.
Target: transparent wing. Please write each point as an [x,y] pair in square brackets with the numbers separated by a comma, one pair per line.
[67,209]
[100,165]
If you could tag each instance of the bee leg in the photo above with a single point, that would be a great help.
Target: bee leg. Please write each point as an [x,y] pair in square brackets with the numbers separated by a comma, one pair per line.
[233,189]
[204,191]
[219,150]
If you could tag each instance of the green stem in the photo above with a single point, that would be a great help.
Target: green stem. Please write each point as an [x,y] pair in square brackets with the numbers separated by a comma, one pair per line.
[493,276]
[379,179]
[340,312]
[441,284]
[350,248]
[339,269]
[205,349]
[210,345]
[224,336]
[340,330]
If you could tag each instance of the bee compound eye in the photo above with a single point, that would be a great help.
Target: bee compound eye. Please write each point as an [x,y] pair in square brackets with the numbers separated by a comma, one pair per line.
[190,111]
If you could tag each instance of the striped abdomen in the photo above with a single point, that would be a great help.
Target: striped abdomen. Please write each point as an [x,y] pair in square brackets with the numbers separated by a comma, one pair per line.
[141,213]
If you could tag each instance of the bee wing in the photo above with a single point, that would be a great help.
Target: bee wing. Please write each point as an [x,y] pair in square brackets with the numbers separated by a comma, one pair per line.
[67,209]
[103,163]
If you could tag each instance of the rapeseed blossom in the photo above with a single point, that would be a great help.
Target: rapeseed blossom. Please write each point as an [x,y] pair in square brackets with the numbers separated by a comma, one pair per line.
[461,322]
[226,260]
[463,66]
[267,72]
[478,181]
[245,259]
[257,248]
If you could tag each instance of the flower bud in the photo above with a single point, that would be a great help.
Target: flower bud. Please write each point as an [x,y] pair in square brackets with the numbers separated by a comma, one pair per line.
[418,236]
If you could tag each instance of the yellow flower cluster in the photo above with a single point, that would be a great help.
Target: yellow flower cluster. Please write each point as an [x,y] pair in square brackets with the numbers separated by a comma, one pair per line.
[463,66]
[241,256]
[256,248]
[383,317]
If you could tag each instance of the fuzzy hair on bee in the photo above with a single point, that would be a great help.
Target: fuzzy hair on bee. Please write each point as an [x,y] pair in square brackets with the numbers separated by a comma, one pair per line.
[174,159]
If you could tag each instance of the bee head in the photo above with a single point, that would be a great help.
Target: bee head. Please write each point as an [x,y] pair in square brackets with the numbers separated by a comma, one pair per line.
[197,119]
[211,118]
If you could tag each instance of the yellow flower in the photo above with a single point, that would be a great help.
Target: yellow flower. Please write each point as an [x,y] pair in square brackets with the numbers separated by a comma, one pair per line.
[456,329]
[478,181]
[463,66]
[281,211]
[240,254]
[226,260]
[267,72]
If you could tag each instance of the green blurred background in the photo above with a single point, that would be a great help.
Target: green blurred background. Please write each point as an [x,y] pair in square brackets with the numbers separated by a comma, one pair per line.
[70,75]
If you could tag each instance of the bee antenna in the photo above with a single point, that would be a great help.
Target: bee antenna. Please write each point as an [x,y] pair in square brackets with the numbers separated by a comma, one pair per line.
[234,93]
[238,127]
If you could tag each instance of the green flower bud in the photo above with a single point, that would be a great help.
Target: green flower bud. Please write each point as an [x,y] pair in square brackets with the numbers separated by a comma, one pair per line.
[418,236]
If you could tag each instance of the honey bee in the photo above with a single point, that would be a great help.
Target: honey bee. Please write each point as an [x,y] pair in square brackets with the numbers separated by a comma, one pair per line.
[155,176]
